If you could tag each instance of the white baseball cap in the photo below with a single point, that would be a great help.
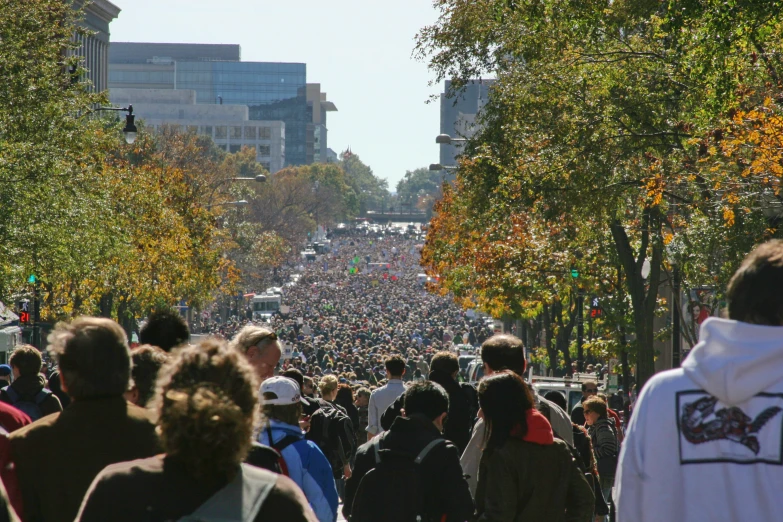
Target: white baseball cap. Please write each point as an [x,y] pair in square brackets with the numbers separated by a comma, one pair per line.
[287,391]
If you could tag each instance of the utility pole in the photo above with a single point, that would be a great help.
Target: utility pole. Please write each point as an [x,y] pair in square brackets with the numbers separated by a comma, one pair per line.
[676,333]
[580,331]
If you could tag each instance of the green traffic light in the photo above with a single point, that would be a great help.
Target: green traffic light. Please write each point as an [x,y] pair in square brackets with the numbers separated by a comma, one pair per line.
[574,273]
[32,278]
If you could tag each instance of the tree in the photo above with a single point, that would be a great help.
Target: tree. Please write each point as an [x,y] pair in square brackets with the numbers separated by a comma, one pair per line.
[370,191]
[592,119]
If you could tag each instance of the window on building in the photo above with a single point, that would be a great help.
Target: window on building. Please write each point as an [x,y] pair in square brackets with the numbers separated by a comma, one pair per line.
[250,133]
[265,164]
[264,133]
[234,148]
[236,133]
[206,130]
[264,150]
[193,129]
[220,132]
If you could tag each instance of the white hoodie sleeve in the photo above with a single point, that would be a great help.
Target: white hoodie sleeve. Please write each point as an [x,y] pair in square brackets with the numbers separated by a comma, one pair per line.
[629,481]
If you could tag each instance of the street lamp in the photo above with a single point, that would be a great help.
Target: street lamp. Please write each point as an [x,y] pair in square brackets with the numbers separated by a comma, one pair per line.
[240,203]
[259,179]
[438,166]
[445,139]
[129,130]
[672,250]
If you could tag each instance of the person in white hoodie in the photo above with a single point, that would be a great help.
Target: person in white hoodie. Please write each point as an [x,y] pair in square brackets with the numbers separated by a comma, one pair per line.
[706,440]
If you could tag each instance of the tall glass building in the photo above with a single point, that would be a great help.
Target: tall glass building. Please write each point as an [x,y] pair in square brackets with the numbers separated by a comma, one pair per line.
[271,91]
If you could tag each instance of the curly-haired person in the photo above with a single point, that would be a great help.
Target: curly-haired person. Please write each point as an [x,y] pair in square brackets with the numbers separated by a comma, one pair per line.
[208,411]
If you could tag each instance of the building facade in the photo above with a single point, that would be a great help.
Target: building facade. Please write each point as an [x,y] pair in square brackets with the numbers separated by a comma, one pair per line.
[270,91]
[458,115]
[228,125]
[94,48]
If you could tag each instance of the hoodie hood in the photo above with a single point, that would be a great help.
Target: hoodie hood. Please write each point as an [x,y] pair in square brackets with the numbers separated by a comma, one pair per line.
[734,361]
[539,431]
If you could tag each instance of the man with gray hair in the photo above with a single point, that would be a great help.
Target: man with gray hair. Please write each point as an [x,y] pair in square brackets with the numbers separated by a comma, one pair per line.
[261,347]
[57,457]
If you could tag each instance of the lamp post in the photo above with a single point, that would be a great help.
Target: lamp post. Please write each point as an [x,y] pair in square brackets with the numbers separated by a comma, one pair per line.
[671,249]
[438,167]
[129,130]
[445,139]
[259,179]
[240,203]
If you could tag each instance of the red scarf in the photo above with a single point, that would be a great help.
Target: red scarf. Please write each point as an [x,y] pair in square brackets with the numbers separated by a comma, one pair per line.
[539,431]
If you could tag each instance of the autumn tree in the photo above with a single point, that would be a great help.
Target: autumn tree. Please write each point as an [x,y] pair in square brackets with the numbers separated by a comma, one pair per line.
[591,121]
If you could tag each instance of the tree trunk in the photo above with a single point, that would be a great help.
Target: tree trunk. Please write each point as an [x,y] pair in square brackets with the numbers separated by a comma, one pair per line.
[551,350]
[643,300]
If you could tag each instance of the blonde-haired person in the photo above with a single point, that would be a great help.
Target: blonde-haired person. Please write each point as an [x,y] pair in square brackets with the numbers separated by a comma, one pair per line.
[208,410]
[304,462]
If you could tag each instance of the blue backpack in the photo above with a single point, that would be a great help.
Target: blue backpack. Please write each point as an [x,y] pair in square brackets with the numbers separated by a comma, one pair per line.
[31,407]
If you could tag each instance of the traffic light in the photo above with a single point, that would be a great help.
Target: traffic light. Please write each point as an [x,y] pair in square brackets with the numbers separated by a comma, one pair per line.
[574,273]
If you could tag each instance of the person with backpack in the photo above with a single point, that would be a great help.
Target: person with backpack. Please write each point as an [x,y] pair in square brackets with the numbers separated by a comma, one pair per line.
[27,392]
[208,410]
[410,470]
[525,473]
[300,459]
[332,430]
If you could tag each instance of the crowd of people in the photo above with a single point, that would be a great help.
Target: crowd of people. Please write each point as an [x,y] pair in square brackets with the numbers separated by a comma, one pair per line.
[353,402]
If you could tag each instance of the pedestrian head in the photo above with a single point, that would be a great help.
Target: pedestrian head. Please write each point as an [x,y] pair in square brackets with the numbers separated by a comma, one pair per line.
[25,361]
[147,362]
[446,362]
[426,400]
[281,400]
[165,329]
[208,408]
[558,398]
[503,352]
[505,399]
[261,347]
[296,375]
[753,293]
[93,357]
[395,366]
[362,397]
[328,387]
[589,388]
[594,409]
[344,395]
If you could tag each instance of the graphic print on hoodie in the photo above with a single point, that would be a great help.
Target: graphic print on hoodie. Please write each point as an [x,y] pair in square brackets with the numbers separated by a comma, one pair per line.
[733,420]
[712,432]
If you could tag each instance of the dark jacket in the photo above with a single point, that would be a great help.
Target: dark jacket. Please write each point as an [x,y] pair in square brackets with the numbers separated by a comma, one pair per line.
[523,481]
[459,425]
[447,491]
[58,456]
[158,489]
[27,387]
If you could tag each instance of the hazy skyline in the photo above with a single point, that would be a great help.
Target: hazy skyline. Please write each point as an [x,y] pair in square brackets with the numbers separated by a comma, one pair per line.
[359,51]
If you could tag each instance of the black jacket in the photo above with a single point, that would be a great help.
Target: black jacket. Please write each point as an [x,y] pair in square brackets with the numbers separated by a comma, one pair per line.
[27,387]
[447,492]
[459,425]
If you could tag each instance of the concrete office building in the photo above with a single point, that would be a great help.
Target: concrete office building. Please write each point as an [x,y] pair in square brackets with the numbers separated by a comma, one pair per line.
[94,48]
[458,115]
[271,91]
[318,107]
[228,125]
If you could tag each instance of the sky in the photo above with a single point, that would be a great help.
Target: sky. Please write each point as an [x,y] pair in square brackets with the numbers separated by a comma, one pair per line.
[360,51]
